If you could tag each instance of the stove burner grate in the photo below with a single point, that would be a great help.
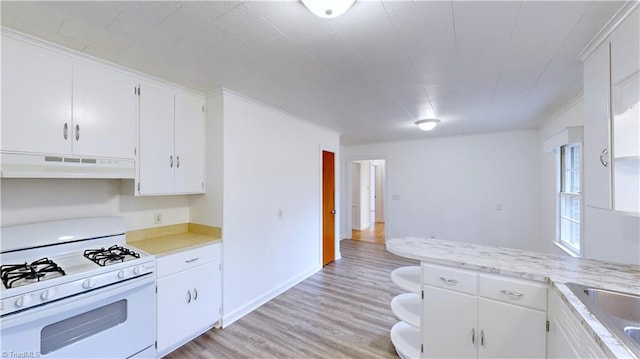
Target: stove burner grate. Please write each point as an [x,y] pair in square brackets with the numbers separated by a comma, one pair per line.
[113,254]
[21,274]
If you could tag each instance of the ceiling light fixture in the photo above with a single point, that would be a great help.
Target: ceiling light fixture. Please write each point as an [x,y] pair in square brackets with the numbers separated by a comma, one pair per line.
[427,125]
[328,9]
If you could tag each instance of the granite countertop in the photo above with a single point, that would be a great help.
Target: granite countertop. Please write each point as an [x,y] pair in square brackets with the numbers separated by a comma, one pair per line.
[162,241]
[555,269]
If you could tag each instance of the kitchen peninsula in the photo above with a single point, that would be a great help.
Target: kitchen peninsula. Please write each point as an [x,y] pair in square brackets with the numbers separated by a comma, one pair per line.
[480,269]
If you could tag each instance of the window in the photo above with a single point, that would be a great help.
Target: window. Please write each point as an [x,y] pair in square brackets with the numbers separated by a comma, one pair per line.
[569,198]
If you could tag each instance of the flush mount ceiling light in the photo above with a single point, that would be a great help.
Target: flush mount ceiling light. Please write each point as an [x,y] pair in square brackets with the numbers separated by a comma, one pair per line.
[328,9]
[427,125]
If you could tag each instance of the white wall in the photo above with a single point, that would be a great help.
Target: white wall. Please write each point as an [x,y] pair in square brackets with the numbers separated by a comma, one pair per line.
[608,235]
[36,200]
[207,209]
[451,188]
[272,162]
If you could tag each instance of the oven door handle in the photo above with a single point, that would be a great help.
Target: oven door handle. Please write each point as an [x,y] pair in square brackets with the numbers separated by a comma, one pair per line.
[76,301]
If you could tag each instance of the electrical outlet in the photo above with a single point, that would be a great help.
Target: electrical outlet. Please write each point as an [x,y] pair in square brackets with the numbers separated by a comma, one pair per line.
[157,217]
[280,214]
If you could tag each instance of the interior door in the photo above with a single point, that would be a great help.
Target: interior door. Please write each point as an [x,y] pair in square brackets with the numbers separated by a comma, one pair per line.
[328,207]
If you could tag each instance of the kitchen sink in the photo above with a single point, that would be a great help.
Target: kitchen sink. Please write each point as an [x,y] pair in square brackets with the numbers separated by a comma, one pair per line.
[618,311]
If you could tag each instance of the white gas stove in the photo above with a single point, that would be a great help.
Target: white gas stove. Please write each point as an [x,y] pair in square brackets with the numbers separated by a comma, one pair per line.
[77,277]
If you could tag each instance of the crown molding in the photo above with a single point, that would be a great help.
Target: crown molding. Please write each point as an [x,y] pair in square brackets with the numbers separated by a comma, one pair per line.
[608,28]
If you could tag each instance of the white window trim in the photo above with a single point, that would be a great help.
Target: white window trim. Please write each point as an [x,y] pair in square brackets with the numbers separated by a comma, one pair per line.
[557,242]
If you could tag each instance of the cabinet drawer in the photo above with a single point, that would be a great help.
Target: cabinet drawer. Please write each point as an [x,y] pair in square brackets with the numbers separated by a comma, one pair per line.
[514,291]
[188,259]
[449,278]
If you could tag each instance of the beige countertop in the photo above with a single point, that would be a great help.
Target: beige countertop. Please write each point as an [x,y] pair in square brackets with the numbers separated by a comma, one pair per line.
[161,241]
[554,269]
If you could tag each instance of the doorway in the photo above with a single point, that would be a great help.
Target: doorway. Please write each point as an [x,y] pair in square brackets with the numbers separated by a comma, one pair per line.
[367,200]
[328,208]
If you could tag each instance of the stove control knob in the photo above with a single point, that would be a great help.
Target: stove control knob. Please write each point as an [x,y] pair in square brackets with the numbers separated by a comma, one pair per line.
[23,301]
[121,273]
[48,294]
[136,270]
[89,283]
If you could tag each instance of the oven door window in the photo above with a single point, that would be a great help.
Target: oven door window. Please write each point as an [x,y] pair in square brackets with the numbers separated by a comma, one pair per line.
[68,331]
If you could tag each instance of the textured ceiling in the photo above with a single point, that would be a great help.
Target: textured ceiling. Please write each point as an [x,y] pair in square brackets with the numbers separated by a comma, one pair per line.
[369,74]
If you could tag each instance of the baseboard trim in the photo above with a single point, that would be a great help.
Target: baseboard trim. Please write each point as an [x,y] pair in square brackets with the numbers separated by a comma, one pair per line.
[230,318]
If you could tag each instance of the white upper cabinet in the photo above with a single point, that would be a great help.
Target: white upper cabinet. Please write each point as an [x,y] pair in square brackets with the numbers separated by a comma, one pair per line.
[596,129]
[156,139]
[189,143]
[612,120]
[171,157]
[105,108]
[60,104]
[36,98]
[625,106]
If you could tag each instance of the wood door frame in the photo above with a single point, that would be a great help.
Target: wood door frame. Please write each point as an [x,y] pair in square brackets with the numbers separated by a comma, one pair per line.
[349,195]
[336,169]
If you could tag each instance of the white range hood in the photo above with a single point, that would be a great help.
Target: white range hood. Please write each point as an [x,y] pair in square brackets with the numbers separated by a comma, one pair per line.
[32,165]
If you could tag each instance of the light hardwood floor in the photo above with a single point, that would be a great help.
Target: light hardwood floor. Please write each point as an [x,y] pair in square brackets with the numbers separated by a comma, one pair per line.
[340,312]
[373,234]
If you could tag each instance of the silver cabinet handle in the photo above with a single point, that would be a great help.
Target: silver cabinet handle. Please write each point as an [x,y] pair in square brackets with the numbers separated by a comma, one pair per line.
[177,161]
[482,337]
[473,336]
[65,131]
[195,294]
[171,161]
[603,157]
[512,294]
[448,281]
[192,260]
[189,296]
[77,132]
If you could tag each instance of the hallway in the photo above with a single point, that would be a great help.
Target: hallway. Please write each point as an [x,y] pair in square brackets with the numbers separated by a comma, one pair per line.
[374,234]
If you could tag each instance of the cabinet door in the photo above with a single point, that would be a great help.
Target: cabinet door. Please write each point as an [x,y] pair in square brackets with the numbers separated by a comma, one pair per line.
[449,324]
[625,96]
[509,331]
[36,99]
[558,343]
[189,143]
[156,159]
[188,303]
[105,109]
[597,190]
[567,338]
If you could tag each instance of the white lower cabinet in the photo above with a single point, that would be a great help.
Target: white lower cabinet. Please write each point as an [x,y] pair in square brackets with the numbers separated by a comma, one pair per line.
[509,331]
[450,321]
[189,296]
[466,314]
[566,337]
